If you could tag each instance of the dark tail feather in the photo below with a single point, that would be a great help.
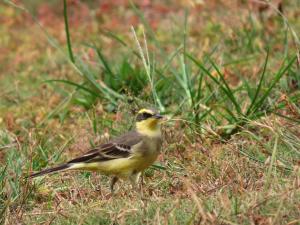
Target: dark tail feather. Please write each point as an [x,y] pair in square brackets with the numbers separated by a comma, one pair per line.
[50,170]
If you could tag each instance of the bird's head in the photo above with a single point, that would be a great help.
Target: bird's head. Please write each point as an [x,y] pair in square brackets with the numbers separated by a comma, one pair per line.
[148,122]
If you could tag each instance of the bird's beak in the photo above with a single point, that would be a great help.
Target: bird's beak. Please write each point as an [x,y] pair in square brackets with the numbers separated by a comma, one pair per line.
[158,116]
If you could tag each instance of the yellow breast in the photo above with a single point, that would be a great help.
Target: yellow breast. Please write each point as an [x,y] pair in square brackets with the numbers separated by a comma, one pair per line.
[122,167]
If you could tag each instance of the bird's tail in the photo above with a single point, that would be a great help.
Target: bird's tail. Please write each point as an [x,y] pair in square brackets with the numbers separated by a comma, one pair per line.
[50,170]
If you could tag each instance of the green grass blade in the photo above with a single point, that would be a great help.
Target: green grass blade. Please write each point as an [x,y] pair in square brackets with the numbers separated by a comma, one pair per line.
[184,81]
[259,85]
[287,117]
[227,88]
[68,33]
[240,61]
[108,93]
[170,58]
[232,116]
[79,86]
[227,92]
[115,37]
[185,35]
[103,60]
[278,76]
[199,87]
[158,166]
[3,173]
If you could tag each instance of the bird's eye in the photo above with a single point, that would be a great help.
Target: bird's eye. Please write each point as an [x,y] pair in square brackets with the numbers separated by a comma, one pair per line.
[146,115]
[143,116]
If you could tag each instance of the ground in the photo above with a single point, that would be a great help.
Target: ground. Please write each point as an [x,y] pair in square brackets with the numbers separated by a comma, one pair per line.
[231,149]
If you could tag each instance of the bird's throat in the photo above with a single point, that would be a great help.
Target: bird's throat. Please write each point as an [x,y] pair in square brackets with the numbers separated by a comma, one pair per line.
[149,128]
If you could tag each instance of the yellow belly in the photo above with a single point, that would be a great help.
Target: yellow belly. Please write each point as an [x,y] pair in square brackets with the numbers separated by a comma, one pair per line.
[122,167]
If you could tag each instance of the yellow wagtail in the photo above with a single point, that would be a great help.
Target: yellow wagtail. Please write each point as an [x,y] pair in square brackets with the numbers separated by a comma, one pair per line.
[123,157]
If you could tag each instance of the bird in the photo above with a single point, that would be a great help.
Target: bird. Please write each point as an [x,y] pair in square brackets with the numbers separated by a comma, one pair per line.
[124,157]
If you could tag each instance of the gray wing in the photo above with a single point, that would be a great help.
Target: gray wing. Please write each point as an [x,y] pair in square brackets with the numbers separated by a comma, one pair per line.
[129,139]
[117,148]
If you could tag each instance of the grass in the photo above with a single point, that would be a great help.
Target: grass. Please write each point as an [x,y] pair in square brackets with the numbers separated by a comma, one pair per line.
[231,148]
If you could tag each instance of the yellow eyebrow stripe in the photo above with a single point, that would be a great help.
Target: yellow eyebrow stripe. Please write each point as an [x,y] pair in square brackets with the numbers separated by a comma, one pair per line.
[145,110]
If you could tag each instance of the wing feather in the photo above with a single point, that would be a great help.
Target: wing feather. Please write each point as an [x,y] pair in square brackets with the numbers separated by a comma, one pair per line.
[117,148]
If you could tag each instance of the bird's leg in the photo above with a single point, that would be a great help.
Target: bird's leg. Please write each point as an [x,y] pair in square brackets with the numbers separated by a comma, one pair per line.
[112,183]
[134,178]
[142,182]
